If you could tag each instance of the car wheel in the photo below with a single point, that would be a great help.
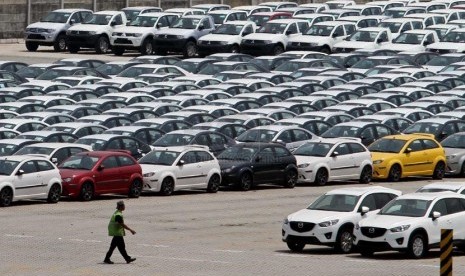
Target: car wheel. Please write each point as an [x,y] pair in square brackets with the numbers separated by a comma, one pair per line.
[73,49]
[213,184]
[366,175]
[417,246]
[136,188]
[146,48]
[462,171]
[461,247]
[395,173]
[167,186]
[321,177]
[118,51]
[326,50]
[245,182]
[278,49]
[439,170]
[32,46]
[102,45]
[87,191]
[190,50]
[365,252]
[6,197]
[344,240]
[54,194]
[60,43]
[235,49]
[291,179]
[295,246]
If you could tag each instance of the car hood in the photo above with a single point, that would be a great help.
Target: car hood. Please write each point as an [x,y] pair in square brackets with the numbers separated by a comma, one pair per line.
[65,173]
[5,178]
[383,155]
[316,216]
[261,36]
[387,222]
[445,46]
[217,37]
[309,39]
[355,45]
[88,27]
[228,164]
[183,32]
[404,47]
[47,25]
[146,168]
[131,29]
[454,151]
[312,160]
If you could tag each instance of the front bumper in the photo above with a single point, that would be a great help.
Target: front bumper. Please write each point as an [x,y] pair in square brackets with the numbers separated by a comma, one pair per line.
[229,179]
[257,48]
[169,44]
[71,190]
[453,167]
[380,171]
[41,38]
[314,235]
[211,49]
[300,46]
[305,175]
[151,185]
[126,42]
[388,241]
[85,40]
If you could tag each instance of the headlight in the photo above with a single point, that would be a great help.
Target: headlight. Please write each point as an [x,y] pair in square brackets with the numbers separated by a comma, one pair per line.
[451,156]
[376,162]
[50,31]
[137,35]
[400,228]
[180,37]
[286,221]
[150,174]
[66,180]
[68,32]
[267,41]
[357,226]
[304,165]
[113,34]
[328,223]
[92,33]
[223,42]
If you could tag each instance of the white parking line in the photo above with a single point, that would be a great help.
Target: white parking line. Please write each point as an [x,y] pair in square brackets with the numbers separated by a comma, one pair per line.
[182,259]
[92,241]
[18,236]
[435,266]
[153,245]
[360,261]
[291,255]
[229,251]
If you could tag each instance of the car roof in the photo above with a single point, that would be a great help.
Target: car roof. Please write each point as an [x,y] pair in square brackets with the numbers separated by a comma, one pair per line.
[359,191]
[59,145]
[101,136]
[15,141]
[21,158]
[181,148]
[430,196]
[444,185]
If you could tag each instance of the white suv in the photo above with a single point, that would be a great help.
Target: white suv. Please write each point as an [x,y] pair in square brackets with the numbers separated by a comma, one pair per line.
[28,177]
[170,169]
[333,159]
[331,218]
[365,38]
[412,223]
[226,38]
[139,33]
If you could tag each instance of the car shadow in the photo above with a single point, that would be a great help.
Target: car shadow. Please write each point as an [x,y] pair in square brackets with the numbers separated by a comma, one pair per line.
[394,255]
[310,251]
[176,193]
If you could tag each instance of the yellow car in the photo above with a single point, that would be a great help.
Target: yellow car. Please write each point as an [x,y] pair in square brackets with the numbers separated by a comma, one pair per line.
[398,156]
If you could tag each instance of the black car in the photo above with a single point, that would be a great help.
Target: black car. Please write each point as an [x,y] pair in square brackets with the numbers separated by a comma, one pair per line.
[248,164]
[110,142]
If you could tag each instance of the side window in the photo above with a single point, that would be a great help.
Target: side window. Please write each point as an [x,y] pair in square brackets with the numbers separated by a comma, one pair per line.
[217,139]
[118,20]
[85,15]
[248,30]
[292,29]
[350,29]
[61,155]
[203,156]
[406,27]
[454,206]
[75,18]
[281,152]
[339,31]
[74,151]
[44,165]
[285,136]
[300,135]
[189,157]
[369,201]
[342,149]
[163,22]
[114,144]
[417,25]
[266,155]
[367,133]
[28,167]
[82,132]
[382,131]
[110,162]
[440,207]
[416,145]
[129,144]
[448,129]
[125,161]
[302,26]
[383,37]
[356,148]
[203,140]
[206,24]
[382,199]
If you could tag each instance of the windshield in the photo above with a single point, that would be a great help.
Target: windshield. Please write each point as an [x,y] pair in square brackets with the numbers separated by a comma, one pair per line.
[314,149]
[133,72]
[30,72]
[7,149]
[423,128]
[394,13]
[143,21]
[96,144]
[35,150]
[368,63]
[238,153]
[454,37]
[70,82]
[341,131]
[60,128]
[320,30]
[229,29]
[387,145]
[393,26]
[165,158]
[257,135]
[79,162]
[98,19]
[7,125]
[7,166]
[174,140]
[262,62]
[211,69]
[218,18]
[273,28]
[406,208]
[436,190]
[56,17]
[259,20]
[131,14]
[454,141]
[292,66]
[31,137]
[185,23]
[405,38]
[53,74]
[336,203]
[443,60]
[110,69]
[189,66]
[365,36]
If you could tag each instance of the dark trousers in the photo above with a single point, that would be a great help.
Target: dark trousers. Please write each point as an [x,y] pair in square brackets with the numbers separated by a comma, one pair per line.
[117,241]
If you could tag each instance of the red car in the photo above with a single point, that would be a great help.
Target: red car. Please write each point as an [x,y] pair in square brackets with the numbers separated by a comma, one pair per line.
[88,174]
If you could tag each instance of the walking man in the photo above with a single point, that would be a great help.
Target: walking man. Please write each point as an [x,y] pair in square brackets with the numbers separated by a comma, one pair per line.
[116,230]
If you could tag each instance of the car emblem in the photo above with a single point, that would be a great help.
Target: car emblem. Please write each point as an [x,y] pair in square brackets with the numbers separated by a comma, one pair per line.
[300,225]
[166,36]
[209,42]
[252,41]
[371,230]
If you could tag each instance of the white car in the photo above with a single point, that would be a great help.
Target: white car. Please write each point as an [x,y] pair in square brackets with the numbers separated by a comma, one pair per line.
[333,159]
[331,218]
[365,38]
[226,38]
[452,42]
[412,223]
[400,25]
[28,177]
[456,187]
[170,169]
[413,41]
[55,152]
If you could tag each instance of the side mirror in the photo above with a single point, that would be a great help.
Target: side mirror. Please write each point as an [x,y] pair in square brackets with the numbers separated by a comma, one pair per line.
[245,33]
[280,141]
[158,26]
[181,162]
[364,210]
[288,32]
[20,172]
[334,35]
[100,168]
[72,21]
[128,23]
[435,215]
[426,43]
[334,154]
[54,160]
[201,27]
[379,40]
[258,158]
[408,150]
[113,23]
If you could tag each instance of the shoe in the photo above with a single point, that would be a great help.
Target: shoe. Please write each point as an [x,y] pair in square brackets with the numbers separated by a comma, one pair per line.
[108,261]
[130,260]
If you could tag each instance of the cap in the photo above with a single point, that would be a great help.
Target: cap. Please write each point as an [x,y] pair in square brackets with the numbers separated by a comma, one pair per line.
[119,204]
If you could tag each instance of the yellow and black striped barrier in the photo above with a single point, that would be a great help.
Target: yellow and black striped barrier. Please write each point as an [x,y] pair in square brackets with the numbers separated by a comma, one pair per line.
[447,249]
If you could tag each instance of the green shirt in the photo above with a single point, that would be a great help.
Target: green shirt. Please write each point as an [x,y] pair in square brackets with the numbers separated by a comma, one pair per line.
[114,227]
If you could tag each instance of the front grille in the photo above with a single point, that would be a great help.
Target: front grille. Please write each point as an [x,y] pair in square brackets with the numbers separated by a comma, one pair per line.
[35,36]
[168,36]
[117,34]
[301,44]
[300,226]
[79,32]
[123,41]
[211,43]
[254,42]
[373,232]
[442,51]
[37,30]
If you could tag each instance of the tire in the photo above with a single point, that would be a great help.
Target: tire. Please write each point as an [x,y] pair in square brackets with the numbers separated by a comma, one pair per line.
[167,186]
[213,184]
[365,252]
[102,45]
[146,47]
[417,246]
[395,173]
[277,50]
[326,50]
[160,52]
[366,175]
[439,171]
[245,181]
[136,188]
[118,51]
[291,179]
[295,246]
[87,191]
[6,197]
[235,49]
[60,43]
[32,46]
[461,247]
[73,49]
[344,241]
[462,171]
[321,177]
[190,49]
[54,194]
